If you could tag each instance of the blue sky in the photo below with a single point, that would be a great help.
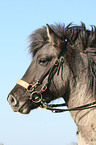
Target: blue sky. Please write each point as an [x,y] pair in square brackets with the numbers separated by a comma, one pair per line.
[17,20]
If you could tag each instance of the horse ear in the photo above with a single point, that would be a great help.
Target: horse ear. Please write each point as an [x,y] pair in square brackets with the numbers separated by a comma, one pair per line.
[51,35]
[54,39]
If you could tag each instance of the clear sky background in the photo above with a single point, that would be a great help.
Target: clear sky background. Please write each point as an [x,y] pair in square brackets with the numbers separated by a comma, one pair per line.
[18,18]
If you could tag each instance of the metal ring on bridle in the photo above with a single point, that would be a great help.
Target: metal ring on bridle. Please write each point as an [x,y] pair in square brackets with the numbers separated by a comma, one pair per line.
[36,97]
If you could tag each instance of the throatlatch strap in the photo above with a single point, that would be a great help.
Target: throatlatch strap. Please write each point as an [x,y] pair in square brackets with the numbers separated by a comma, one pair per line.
[23,84]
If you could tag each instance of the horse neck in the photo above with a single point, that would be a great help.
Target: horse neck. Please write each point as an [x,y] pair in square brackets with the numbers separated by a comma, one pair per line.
[82,94]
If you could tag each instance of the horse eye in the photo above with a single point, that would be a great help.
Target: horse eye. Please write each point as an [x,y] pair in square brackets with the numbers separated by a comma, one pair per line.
[44,61]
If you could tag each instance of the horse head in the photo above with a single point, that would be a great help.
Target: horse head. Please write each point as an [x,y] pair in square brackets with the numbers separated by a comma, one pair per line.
[45,58]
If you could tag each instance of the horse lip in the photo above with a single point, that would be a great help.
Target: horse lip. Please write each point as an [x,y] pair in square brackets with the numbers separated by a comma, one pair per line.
[14,109]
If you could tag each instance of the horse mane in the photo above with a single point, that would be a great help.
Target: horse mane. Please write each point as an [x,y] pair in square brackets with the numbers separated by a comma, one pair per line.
[78,36]
[72,33]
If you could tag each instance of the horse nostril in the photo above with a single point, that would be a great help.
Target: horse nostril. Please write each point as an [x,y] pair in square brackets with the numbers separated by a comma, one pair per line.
[12,101]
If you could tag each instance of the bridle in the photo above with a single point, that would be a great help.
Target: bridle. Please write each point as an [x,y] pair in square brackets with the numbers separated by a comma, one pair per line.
[36,96]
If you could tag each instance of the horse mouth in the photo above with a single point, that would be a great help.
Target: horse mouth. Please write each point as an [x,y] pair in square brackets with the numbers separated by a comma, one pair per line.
[23,109]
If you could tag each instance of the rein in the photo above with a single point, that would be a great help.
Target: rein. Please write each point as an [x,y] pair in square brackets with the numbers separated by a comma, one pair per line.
[36,96]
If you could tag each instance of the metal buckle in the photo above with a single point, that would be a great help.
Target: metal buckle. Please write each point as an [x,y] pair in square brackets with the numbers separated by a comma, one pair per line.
[62,59]
[56,62]
[37,83]
[44,88]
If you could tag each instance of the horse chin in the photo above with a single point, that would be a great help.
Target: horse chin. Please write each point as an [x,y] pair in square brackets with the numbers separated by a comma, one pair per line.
[22,110]
[25,110]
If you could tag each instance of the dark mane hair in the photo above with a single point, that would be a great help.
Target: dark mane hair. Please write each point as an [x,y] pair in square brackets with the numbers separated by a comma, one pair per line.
[78,36]
[72,33]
